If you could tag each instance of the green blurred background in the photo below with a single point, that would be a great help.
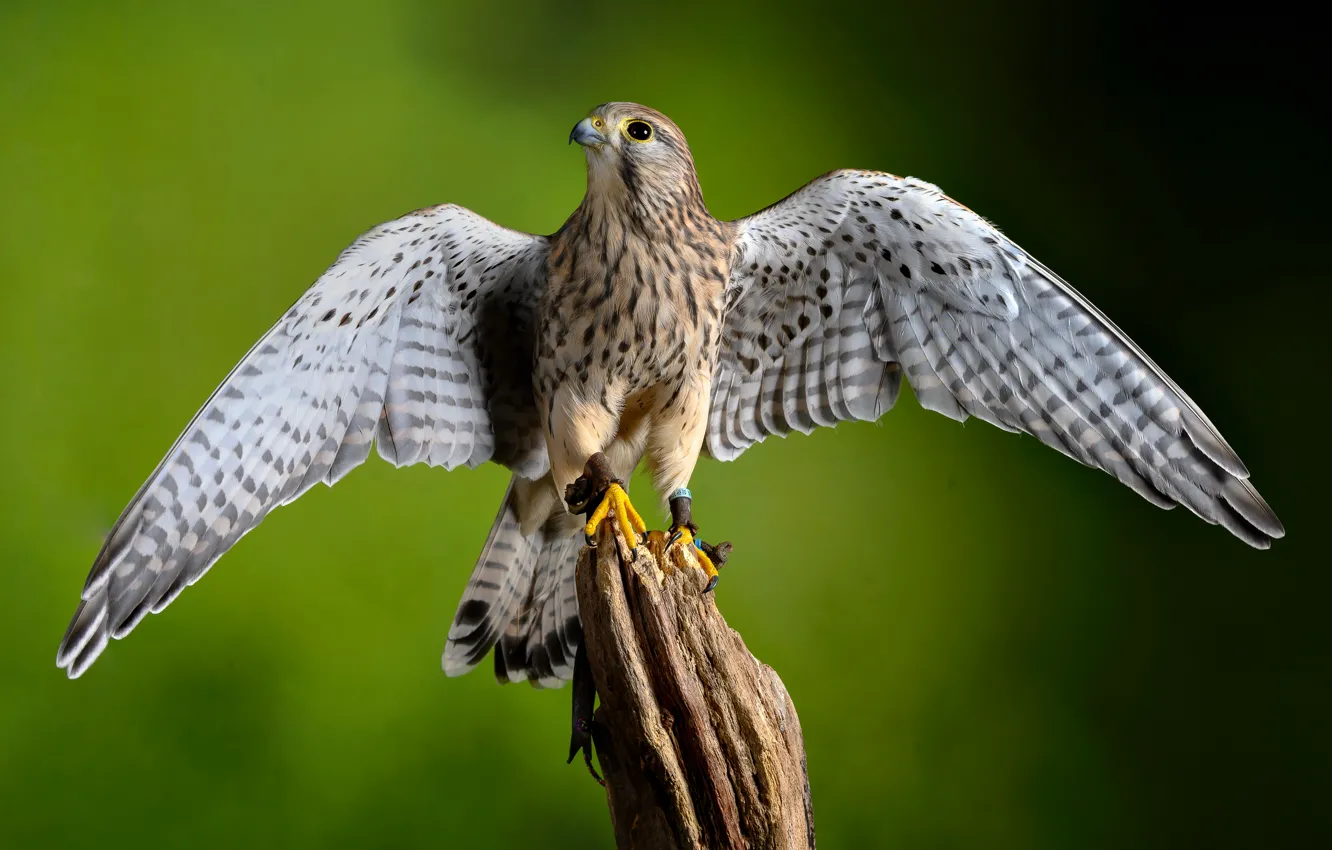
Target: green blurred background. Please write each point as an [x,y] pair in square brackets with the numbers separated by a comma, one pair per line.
[989,646]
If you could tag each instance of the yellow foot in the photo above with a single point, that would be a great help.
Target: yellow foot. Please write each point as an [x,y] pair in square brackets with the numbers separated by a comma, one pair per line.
[631,524]
[684,536]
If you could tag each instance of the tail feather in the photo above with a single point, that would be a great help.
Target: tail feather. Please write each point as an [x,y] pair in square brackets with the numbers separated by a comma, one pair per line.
[521,599]
[499,584]
[539,645]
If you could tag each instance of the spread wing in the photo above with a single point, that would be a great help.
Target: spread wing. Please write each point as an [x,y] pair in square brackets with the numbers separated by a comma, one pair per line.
[860,277]
[418,339]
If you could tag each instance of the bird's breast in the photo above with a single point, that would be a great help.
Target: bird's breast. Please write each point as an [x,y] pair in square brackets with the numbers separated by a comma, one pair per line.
[622,318]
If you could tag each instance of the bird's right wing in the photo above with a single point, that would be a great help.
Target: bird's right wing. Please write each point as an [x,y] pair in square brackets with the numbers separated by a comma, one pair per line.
[419,338]
[862,277]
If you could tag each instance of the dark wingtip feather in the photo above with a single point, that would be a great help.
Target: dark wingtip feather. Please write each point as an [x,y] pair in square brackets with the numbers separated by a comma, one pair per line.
[86,636]
[1241,497]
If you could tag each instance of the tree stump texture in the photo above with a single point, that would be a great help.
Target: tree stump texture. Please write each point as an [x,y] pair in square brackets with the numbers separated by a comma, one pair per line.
[698,741]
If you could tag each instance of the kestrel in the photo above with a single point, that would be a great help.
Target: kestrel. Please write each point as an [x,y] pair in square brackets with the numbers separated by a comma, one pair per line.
[643,328]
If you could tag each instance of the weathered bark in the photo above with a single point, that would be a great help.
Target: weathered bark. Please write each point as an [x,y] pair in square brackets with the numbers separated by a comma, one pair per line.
[698,741]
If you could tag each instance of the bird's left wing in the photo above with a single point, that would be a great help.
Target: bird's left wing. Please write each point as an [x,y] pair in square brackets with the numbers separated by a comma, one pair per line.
[860,275]
[418,338]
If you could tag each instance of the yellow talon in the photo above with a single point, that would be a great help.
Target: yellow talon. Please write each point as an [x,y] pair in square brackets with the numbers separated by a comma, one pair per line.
[631,524]
[684,537]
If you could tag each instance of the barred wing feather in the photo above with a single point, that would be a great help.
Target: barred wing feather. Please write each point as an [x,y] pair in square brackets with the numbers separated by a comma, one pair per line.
[418,338]
[861,277]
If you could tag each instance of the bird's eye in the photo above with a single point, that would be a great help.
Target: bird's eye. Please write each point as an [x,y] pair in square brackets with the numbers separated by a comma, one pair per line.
[639,131]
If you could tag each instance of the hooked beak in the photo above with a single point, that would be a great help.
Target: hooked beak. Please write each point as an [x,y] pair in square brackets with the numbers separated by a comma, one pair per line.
[586,135]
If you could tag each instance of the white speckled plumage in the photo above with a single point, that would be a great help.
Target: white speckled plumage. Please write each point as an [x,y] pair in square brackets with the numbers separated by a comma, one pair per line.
[418,338]
[862,275]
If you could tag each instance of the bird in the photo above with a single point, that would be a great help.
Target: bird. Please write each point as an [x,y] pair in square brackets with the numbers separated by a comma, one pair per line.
[644,329]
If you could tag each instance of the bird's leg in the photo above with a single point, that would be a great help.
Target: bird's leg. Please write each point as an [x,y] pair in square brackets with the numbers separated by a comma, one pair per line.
[598,486]
[683,531]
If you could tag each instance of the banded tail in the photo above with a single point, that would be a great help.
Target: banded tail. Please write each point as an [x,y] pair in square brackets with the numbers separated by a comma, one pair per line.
[521,599]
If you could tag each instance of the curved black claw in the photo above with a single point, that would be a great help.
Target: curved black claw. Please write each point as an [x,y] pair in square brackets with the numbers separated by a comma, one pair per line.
[679,531]
[716,556]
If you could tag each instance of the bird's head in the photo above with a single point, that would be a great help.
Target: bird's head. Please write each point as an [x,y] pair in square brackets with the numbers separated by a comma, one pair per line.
[637,157]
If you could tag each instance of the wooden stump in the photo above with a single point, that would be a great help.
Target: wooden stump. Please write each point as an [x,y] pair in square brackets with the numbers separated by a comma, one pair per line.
[698,740]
